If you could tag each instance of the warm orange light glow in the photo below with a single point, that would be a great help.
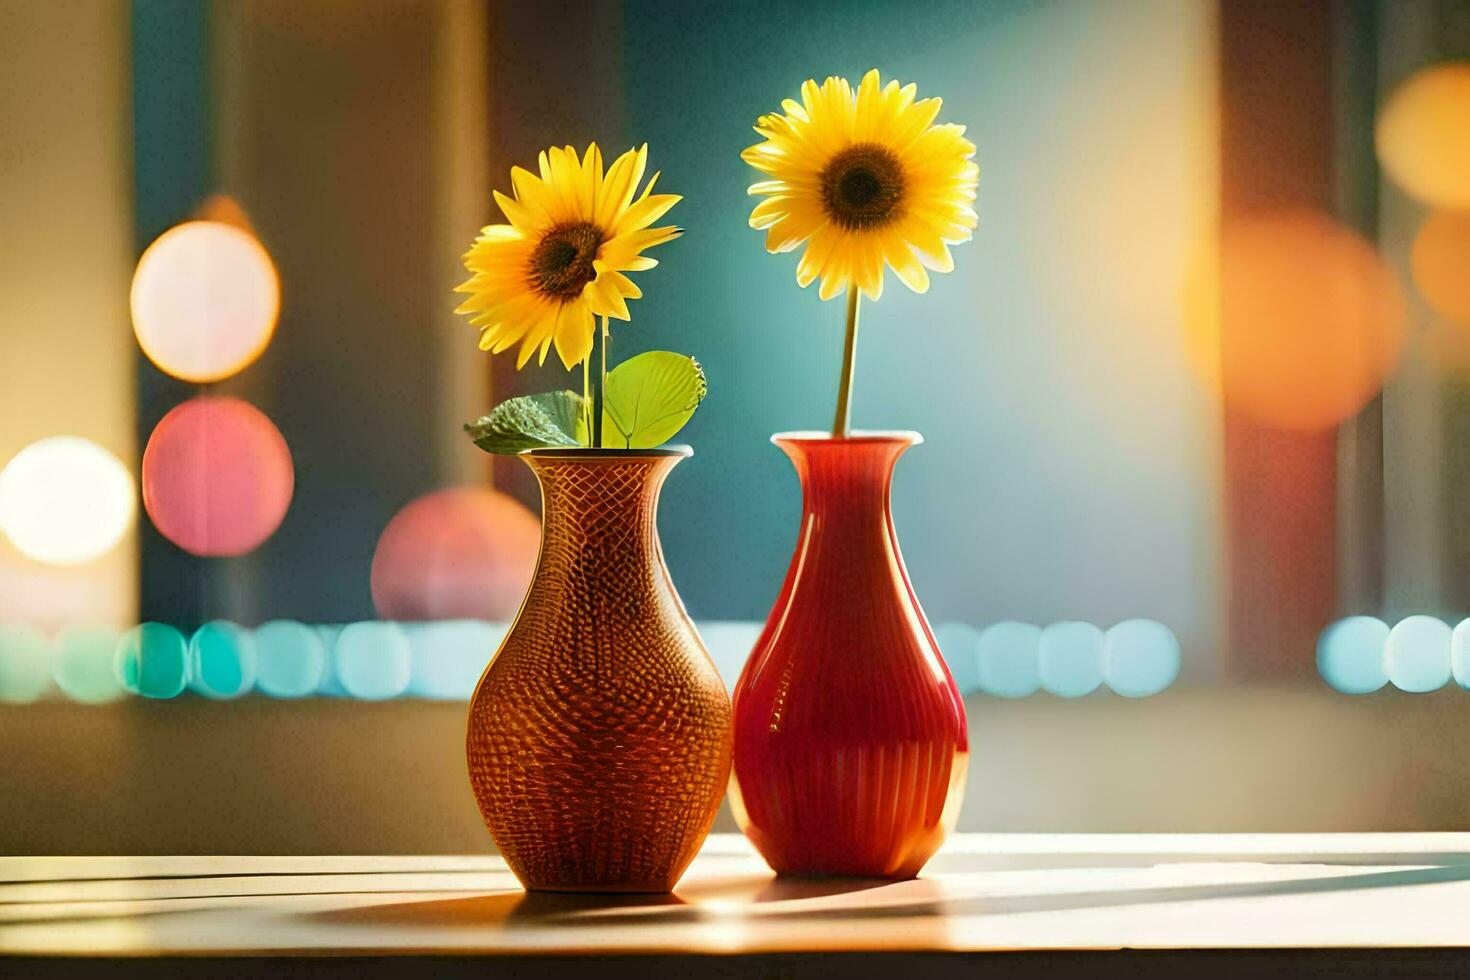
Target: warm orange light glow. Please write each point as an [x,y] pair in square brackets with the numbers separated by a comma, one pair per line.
[1297,317]
[1423,135]
[205,300]
[465,553]
[217,476]
[1441,264]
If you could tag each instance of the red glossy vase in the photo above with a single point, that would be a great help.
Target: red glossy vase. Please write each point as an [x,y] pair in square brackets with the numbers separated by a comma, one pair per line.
[850,738]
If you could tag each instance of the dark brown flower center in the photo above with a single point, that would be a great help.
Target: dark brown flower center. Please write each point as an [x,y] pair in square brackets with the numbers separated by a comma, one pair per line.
[862,187]
[561,263]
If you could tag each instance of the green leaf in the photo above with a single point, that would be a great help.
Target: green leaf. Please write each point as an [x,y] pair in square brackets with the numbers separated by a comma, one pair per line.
[552,419]
[649,398]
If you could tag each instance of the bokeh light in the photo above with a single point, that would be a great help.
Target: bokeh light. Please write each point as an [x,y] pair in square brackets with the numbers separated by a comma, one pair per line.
[462,553]
[1440,261]
[217,476]
[25,664]
[82,664]
[290,659]
[447,659]
[1007,657]
[1071,659]
[1140,658]
[957,642]
[205,300]
[1423,135]
[1460,653]
[65,501]
[221,661]
[1297,319]
[330,685]
[153,660]
[373,660]
[1350,655]
[1417,654]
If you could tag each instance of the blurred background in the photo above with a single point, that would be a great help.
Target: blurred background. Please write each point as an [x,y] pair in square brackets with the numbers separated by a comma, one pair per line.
[1199,384]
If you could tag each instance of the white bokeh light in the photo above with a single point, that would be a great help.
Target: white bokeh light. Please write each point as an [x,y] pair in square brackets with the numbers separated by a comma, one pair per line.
[205,300]
[65,501]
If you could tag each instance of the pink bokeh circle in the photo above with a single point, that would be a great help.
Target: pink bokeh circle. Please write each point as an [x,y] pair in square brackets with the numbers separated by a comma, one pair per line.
[463,553]
[217,476]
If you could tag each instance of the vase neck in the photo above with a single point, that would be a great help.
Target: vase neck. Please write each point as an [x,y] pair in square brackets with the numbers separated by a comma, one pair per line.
[846,479]
[601,507]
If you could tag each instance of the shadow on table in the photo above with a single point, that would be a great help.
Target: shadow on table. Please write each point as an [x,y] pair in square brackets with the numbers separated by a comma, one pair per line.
[863,899]
[552,908]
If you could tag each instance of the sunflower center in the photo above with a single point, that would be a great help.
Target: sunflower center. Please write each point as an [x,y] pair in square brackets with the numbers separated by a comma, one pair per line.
[862,187]
[561,263]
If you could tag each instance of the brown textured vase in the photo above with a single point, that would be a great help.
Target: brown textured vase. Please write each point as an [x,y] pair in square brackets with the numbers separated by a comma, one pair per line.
[599,736]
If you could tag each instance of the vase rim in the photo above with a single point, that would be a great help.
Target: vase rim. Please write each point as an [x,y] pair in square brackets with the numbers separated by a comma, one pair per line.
[906,436]
[607,452]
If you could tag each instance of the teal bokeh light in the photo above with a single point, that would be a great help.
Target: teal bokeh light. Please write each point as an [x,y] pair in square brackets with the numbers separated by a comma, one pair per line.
[1417,654]
[83,664]
[221,661]
[25,664]
[1071,659]
[290,659]
[1008,659]
[448,657]
[373,660]
[331,685]
[1350,655]
[1140,658]
[153,660]
[1460,653]
[958,642]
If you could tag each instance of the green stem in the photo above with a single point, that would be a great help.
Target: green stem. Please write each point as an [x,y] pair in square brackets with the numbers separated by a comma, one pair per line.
[843,422]
[597,392]
[587,394]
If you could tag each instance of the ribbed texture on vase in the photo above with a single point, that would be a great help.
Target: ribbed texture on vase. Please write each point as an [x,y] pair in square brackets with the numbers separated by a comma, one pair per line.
[879,811]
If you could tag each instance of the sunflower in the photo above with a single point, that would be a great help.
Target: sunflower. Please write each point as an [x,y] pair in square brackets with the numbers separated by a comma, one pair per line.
[863,179]
[574,231]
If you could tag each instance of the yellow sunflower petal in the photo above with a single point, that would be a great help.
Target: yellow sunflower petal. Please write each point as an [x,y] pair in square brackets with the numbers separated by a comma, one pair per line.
[604,299]
[905,264]
[616,189]
[625,285]
[791,231]
[521,217]
[769,211]
[574,332]
[814,260]
[645,212]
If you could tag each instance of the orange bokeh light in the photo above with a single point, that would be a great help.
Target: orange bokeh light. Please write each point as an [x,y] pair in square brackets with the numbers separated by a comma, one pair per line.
[1297,318]
[1440,262]
[205,300]
[1423,135]
[217,476]
[463,553]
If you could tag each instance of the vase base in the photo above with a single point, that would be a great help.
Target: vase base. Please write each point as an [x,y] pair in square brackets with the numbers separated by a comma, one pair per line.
[599,889]
[855,877]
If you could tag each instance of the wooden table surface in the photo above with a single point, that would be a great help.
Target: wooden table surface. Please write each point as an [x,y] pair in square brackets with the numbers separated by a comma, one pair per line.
[1034,903]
